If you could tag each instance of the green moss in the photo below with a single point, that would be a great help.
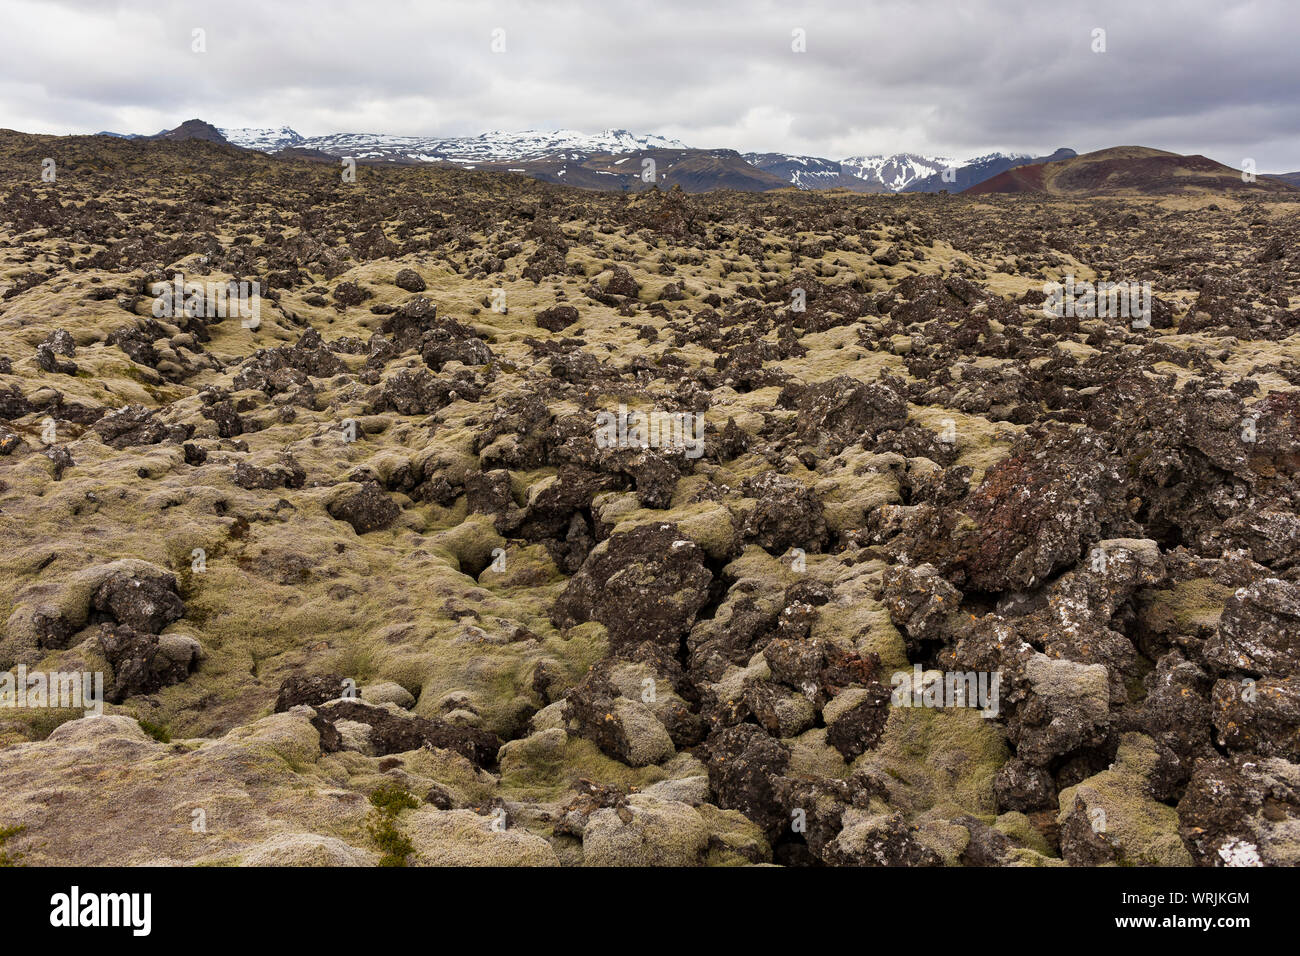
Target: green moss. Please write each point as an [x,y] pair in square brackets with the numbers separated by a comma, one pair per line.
[1187,608]
[1018,827]
[1144,830]
[471,542]
[549,764]
[356,662]
[943,758]
[6,834]
[45,722]
[158,731]
[395,848]
[733,839]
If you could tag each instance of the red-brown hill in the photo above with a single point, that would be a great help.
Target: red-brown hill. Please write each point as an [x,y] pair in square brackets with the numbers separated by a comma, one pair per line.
[1126,171]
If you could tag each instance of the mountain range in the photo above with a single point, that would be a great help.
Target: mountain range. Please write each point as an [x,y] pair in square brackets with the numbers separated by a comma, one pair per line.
[493,146]
[981,168]
[616,159]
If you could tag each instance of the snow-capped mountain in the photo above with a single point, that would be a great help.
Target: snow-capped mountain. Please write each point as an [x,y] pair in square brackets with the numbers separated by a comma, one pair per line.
[895,172]
[805,172]
[263,140]
[810,172]
[493,146]
[974,171]
[876,173]
[994,157]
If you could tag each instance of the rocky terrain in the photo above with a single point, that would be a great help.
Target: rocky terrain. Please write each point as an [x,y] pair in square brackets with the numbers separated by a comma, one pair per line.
[369,582]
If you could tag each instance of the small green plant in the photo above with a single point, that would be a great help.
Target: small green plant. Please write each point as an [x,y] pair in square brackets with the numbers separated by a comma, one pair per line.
[6,834]
[158,732]
[391,800]
[388,801]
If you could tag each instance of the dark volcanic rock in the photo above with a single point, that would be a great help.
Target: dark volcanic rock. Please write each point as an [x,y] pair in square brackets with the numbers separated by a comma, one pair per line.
[859,720]
[287,474]
[839,412]
[786,515]
[145,663]
[1023,787]
[1259,632]
[920,602]
[643,585]
[1260,718]
[622,283]
[557,318]
[392,732]
[409,280]
[132,425]
[880,840]
[1037,509]
[1242,812]
[144,603]
[366,509]
[744,763]
[308,689]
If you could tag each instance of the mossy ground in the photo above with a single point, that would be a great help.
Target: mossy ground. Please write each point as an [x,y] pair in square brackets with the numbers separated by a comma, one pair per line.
[284,588]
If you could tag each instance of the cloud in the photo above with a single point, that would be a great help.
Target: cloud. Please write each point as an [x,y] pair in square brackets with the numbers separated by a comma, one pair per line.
[1202,76]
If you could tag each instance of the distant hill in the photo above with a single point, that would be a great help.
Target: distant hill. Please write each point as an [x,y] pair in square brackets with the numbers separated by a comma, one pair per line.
[899,172]
[192,129]
[878,173]
[1291,179]
[695,170]
[1125,171]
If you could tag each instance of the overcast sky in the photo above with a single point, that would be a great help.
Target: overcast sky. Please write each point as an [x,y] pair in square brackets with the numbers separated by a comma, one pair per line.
[953,79]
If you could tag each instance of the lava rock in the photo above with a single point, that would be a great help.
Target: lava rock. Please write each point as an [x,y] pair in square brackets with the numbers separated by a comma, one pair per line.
[309,689]
[141,602]
[366,509]
[557,318]
[409,280]
[145,663]
[646,584]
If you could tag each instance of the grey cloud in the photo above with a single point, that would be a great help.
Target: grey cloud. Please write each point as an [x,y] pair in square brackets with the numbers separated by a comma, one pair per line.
[1189,75]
